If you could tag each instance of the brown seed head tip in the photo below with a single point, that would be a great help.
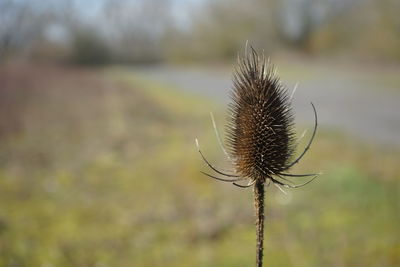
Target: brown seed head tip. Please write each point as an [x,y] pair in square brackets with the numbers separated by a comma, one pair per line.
[260,131]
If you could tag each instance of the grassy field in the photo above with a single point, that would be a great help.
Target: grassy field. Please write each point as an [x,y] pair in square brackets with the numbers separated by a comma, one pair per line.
[99,168]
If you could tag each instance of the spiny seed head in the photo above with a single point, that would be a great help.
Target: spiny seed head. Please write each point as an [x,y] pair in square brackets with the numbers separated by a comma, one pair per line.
[260,130]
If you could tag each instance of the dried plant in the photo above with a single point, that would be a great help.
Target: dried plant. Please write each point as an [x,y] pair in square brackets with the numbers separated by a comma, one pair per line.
[260,135]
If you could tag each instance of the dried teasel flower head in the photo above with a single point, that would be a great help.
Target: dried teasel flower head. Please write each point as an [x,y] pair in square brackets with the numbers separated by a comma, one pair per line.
[260,135]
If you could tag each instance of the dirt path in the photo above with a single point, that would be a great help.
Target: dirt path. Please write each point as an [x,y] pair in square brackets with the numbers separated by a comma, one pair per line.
[363,104]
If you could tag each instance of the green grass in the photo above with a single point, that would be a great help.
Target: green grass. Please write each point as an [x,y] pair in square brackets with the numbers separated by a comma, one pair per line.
[117,183]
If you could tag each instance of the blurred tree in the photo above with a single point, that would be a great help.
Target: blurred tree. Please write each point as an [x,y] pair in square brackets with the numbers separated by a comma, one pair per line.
[219,28]
[14,30]
[135,29]
[89,48]
[146,31]
[23,25]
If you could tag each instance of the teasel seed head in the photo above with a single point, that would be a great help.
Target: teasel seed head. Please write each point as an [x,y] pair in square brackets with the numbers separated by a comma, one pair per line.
[260,135]
[260,129]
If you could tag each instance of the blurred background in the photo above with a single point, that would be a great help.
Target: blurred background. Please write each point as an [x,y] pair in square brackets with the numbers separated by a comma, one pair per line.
[100,103]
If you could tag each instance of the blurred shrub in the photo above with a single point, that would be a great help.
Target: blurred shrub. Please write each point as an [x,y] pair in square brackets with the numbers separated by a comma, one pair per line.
[89,48]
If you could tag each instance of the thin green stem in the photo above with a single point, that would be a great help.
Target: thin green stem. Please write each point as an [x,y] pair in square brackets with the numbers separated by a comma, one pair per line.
[259,211]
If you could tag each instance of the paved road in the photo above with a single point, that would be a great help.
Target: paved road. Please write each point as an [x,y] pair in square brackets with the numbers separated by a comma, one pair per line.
[345,102]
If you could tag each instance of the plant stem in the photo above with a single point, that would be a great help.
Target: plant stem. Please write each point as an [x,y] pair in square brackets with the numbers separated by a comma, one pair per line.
[259,210]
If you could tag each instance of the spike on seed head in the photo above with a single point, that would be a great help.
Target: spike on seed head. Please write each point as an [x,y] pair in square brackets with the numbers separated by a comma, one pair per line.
[260,130]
